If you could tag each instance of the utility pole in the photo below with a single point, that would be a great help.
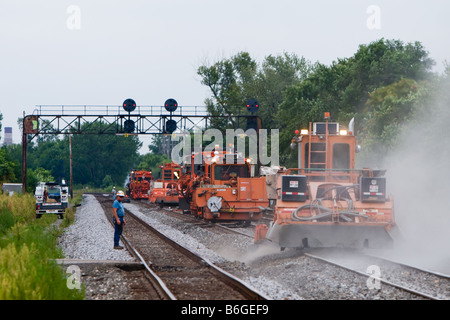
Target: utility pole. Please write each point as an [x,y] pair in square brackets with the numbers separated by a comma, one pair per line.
[70,164]
[24,161]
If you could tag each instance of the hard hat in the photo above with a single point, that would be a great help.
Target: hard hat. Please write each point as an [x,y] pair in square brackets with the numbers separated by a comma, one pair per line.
[120,194]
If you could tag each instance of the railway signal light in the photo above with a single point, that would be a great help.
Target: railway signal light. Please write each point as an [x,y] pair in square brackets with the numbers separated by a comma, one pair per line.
[128,126]
[129,105]
[171,126]
[171,105]
[252,105]
[254,122]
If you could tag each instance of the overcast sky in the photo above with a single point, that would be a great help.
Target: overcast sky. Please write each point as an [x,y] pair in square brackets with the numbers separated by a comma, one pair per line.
[102,52]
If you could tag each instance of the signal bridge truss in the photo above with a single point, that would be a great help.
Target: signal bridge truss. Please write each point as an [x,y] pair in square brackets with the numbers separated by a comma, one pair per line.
[121,120]
[84,119]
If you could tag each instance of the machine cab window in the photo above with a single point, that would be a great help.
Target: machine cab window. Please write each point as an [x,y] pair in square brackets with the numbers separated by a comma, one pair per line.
[229,171]
[341,156]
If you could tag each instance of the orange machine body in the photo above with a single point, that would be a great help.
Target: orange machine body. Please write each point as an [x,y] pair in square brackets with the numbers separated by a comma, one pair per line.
[139,184]
[223,189]
[164,190]
[327,202]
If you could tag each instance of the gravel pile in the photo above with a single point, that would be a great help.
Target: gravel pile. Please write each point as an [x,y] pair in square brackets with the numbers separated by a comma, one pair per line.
[90,237]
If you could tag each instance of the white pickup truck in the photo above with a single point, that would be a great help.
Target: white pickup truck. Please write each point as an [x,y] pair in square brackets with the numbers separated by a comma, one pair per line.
[55,200]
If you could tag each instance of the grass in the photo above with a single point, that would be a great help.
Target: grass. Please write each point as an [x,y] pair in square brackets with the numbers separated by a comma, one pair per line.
[28,249]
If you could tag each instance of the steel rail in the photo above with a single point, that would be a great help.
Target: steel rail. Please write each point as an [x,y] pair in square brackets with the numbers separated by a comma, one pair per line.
[435,273]
[156,281]
[418,293]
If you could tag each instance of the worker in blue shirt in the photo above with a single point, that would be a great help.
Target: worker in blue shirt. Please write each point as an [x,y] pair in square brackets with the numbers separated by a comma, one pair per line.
[118,218]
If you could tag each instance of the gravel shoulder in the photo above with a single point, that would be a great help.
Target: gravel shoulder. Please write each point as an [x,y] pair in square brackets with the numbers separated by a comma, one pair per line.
[90,237]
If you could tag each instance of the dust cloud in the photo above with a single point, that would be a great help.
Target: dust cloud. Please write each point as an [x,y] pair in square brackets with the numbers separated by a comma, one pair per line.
[418,173]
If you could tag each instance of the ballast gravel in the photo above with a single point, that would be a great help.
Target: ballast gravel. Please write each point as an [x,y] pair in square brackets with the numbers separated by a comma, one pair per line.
[90,237]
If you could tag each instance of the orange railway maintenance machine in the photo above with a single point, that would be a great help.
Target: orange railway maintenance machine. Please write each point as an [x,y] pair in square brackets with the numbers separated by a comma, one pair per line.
[164,190]
[217,190]
[326,202]
[139,184]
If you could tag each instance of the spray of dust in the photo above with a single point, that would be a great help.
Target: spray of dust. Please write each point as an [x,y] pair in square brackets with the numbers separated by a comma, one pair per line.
[256,252]
[419,179]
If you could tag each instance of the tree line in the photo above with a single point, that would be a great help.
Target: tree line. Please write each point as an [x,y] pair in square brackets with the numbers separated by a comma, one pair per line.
[384,86]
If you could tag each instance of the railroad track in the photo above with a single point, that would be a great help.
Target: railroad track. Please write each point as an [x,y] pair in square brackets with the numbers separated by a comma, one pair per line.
[416,284]
[431,286]
[185,274]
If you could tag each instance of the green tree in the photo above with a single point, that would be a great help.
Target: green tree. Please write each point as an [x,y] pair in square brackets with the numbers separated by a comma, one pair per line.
[227,81]
[32,180]
[156,146]
[95,156]
[107,182]
[43,175]
[343,88]
[151,162]
[14,154]
[1,118]
[51,154]
[388,109]
[6,167]
[236,80]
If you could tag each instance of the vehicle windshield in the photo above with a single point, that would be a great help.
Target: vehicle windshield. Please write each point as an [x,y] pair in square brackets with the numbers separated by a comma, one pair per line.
[228,171]
[53,190]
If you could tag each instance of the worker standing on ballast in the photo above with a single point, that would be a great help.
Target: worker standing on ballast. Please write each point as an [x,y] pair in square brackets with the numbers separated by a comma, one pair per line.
[118,218]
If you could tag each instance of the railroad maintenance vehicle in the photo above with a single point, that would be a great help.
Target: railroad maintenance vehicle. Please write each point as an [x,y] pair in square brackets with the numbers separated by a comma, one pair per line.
[164,191]
[51,198]
[138,185]
[217,190]
[326,202]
